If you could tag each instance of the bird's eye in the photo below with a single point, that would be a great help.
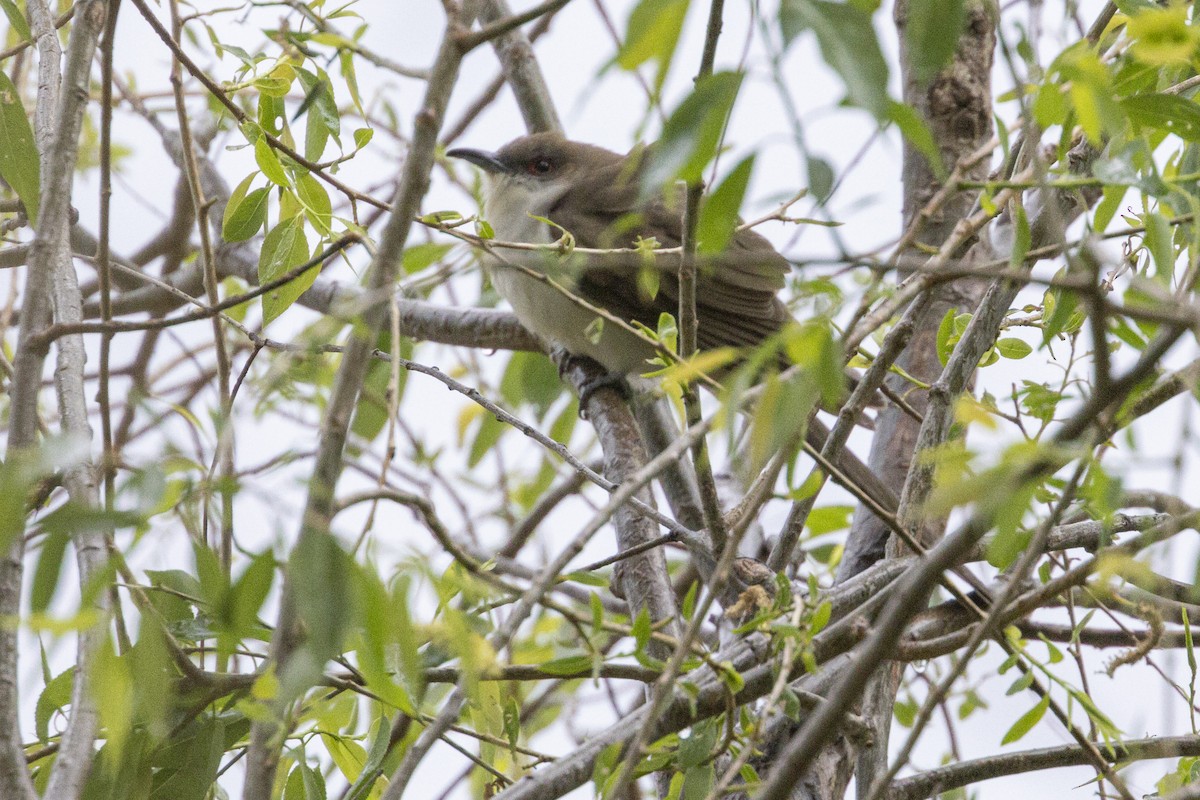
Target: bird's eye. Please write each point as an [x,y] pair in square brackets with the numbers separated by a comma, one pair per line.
[540,166]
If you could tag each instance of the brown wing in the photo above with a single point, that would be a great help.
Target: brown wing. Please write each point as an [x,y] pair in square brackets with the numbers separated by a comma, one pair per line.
[736,302]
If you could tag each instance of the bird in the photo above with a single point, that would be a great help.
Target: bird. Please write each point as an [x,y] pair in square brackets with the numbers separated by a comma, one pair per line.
[542,184]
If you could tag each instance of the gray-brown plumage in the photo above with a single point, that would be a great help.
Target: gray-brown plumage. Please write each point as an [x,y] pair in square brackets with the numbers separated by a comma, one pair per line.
[594,194]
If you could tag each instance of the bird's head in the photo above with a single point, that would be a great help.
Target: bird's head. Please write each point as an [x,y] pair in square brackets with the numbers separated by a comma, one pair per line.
[532,173]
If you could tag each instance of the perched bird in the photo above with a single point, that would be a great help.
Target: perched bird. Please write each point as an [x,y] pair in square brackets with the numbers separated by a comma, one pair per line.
[539,185]
[593,194]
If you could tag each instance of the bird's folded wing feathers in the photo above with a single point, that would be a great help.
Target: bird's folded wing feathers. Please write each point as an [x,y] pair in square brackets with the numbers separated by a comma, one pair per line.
[736,300]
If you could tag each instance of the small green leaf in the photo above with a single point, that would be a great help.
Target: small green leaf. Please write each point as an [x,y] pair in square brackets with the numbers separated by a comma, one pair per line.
[54,697]
[641,629]
[45,579]
[246,214]
[692,133]
[440,217]
[946,338]
[421,256]
[1167,112]
[284,247]
[567,665]
[269,162]
[489,433]
[16,19]
[914,129]
[186,767]
[1013,348]
[1162,36]
[19,156]
[719,215]
[316,137]
[1159,236]
[848,45]
[363,136]
[827,519]
[820,177]
[820,617]
[316,203]
[318,569]
[1030,718]
[652,34]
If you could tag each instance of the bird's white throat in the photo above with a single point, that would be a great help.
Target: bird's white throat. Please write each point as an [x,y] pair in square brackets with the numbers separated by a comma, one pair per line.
[510,203]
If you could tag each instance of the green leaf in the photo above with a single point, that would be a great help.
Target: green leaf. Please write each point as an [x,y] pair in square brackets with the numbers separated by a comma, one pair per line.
[421,256]
[813,346]
[827,519]
[692,133]
[641,629]
[531,378]
[346,64]
[16,19]
[371,413]
[820,617]
[1090,91]
[932,28]
[245,214]
[1159,235]
[848,45]
[316,137]
[719,215]
[284,248]
[1013,348]
[698,782]
[349,755]
[1166,112]
[45,580]
[782,411]
[322,119]
[1162,36]
[490,431]
[652,34]
[905,712]
[946,337]
[112,688]
[820,177]
[567,665]
[914,129]
[269,162]
[54,697]
[319,570]
[187,765]
[362,136]
[1030,718]
[248,592]
[699,744]
[316,203]
[19,162]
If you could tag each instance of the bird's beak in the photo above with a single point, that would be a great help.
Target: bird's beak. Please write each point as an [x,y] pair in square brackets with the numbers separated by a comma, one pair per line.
[481,158]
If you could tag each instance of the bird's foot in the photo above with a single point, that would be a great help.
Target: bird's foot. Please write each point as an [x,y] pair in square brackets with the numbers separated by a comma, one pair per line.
[589,377]
[609,380]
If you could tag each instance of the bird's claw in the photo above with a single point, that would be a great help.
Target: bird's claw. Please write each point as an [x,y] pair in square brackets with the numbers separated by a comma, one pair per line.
[607,380]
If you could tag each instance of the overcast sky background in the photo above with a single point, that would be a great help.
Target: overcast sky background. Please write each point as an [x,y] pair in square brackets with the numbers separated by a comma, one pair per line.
[607,108]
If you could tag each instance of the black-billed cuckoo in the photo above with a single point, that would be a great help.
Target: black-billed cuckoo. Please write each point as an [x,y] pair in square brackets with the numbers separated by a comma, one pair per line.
[593,193]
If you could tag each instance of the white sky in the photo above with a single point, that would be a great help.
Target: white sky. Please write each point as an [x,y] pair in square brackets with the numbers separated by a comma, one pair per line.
[605,109]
